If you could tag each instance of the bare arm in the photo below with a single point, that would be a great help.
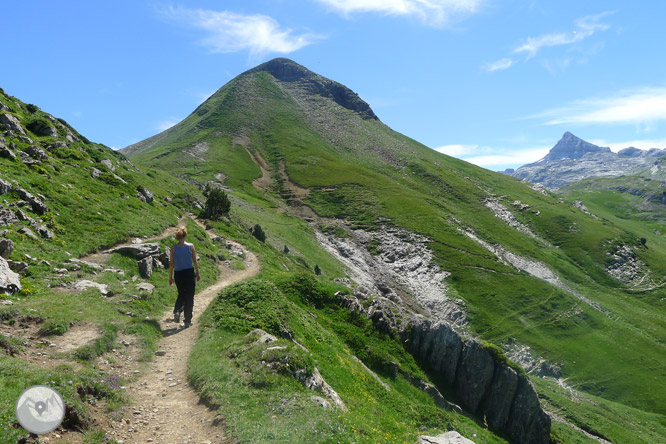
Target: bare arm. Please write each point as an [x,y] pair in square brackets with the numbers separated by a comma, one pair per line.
[171,254]
[194,260]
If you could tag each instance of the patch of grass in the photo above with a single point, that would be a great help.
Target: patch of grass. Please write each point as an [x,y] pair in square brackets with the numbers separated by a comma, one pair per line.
[100,346]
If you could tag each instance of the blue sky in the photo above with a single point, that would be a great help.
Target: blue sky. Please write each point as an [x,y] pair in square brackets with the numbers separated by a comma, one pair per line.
[494,82]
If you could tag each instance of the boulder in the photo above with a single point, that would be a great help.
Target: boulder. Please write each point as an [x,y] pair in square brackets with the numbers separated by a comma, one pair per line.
[7,153]
[86,284]
[145,267]
[74,263]
[137,251]
[95,173]
[28,233]
[5,187]
[475,372]
[107,163]
[7,216]
[11,123]
[18,267]
[145,287]
[445,438]
[9,280]
[45,232]
[42,128]
[36,204]
[144,195]
[37,152]
[6,248]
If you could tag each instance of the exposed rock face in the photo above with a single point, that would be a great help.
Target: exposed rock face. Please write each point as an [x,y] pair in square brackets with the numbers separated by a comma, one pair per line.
[474,374]
[288,71]
[527,423]
[9,280]
[37,152]
[146,267]
[41,128]
[573,159]
[107,163]
[11,123]
[496,404]
[572,147]
[36,204]
[138,251]
[6,248]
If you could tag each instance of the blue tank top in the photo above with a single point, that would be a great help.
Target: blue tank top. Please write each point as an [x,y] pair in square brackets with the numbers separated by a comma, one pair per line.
[182,257]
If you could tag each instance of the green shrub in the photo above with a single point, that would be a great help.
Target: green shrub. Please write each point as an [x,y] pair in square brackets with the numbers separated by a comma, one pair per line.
[54,327]
[217,204]
[258,232]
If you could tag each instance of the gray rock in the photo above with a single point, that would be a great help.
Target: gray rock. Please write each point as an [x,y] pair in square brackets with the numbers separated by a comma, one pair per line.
[261,337]
[527,422]
[28,233]
[78,262]
[42,129]
[86,284]
[137,251]
[45,232]
[446,348]
[9,280]
[95,173]
[6,247]
[145,267]
[321,402]
[475,372]
[145,287]
[5,187]
[37,152]
[451,437]
[107,163]
[7,153]
[36,204]
[7,216]
[144,195]
[11,123]
[18,267]
[3,107]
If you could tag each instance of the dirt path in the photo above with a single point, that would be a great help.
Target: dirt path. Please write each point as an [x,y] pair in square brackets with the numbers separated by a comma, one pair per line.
[165,408]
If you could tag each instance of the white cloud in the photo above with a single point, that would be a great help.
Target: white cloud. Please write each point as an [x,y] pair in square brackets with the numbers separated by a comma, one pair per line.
[431,12]
[643,144]
[495,158]
[166,124]
[585,27]
[498,65]
[230,32]
[642,106]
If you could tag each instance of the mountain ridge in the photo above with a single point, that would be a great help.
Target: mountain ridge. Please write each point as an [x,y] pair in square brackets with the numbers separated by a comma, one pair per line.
[572,159]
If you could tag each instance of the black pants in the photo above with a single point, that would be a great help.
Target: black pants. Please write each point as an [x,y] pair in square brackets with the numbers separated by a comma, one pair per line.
[185,283]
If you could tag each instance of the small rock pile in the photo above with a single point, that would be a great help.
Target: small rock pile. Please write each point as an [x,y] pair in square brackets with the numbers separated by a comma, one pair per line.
[148,256]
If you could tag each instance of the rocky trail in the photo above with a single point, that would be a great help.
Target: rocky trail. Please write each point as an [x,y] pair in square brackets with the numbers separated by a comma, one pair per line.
[163,408]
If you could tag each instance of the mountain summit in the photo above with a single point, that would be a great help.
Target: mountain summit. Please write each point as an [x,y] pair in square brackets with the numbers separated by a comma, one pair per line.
[573,159]
[572,147]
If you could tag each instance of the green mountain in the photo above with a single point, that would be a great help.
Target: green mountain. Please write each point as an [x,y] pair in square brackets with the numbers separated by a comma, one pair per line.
[511,265]
[402,292]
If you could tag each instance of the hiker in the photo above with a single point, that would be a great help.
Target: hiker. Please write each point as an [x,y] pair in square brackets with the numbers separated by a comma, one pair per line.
[183,260]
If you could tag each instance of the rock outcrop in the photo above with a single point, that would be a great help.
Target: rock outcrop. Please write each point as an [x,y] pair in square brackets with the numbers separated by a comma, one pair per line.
[445,438]
[9,280]
[573,159]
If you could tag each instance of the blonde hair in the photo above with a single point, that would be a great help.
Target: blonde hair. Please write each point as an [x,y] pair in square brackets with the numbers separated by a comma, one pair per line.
[181,233]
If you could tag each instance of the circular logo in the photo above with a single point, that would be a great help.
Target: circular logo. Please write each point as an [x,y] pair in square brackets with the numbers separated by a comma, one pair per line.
[40,409]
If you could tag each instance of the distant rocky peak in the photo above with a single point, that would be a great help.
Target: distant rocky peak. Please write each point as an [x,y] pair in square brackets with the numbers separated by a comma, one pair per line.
[286,70]
[572,147]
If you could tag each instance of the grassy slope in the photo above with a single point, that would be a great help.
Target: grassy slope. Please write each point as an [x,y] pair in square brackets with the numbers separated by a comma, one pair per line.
[87,214]
[421,190]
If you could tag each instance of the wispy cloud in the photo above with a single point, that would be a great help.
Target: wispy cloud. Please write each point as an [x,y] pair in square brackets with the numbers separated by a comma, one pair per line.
[166,124]
[431,12]
[584,27]
[495,158]
[229,32]
[643,106]
[498,65]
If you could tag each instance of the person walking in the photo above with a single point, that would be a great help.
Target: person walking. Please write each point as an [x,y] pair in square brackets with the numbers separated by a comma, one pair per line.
[182,265]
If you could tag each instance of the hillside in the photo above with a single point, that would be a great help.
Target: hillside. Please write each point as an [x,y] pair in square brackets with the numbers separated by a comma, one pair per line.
[430,238]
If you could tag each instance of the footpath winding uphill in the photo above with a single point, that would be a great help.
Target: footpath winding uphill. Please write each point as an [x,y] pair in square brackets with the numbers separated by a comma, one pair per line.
[165,408]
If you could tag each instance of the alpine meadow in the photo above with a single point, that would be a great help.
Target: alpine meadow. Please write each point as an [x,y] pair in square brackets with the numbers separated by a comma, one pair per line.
[362,287]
